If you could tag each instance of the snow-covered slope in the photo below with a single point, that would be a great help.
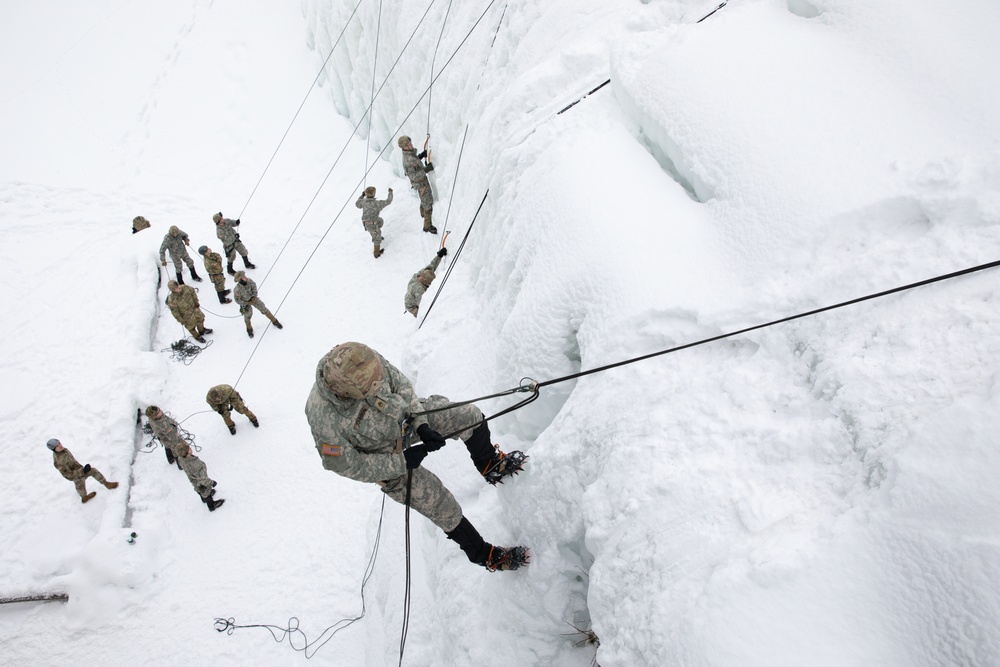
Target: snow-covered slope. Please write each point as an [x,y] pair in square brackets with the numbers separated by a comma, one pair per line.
[820,492]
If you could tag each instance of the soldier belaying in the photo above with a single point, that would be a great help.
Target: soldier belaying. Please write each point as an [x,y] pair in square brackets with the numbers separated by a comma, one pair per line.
[175,241]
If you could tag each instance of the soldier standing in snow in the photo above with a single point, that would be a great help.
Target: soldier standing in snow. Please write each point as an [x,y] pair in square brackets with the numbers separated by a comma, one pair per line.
[246,297]
[213,265]
[224,398]
[167,430]
[416,171]
[66,464]
[225,229]
[370,210]
[175,241]
[184,306]
[355,410]
[419,283]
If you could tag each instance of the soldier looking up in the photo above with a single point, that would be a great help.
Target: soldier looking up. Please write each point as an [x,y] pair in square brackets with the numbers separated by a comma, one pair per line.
[68,466]
[355,409]
[417,171]
[175,241]
[419,283]
[225,230]
[370,219]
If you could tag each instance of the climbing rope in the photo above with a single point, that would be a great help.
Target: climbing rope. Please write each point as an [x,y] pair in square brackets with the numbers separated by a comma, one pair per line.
[371,105]
[302,104]
[434,58]
[184,351]
[453,260]
[724,3]
[454,182]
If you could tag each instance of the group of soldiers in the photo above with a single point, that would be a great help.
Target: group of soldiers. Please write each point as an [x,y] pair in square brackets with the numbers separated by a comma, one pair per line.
[359,404]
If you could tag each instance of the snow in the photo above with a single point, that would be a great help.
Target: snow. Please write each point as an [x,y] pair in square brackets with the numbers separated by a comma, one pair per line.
[820,492]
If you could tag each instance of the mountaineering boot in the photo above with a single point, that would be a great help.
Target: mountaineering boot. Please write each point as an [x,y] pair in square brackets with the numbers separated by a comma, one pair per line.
[206,331]
[110,485]
[213,503]
[249,331]
[200,339]
[180,278]
[229,269]
[246,262]
[471,542]
[87,497]
[428,227]
[222,297]
[507,558]
[225,292]
[378,251]
[194,274]
[256,424]
[492,463]
[276,323]
[232,429]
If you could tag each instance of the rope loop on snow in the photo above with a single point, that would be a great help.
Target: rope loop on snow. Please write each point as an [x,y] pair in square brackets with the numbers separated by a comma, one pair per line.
[184,351]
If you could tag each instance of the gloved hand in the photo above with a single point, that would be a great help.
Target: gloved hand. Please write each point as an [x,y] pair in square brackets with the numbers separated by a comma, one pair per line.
[237,222]
[390,189]
[442,252]
[134,230]
[431,438]
[422,155]
[237,236]
[163,262]
[414,455]
[86,467]
[429,167]
[187,241]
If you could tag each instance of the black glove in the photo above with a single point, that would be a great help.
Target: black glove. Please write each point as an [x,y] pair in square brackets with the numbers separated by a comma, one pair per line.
[429,167]
[422,155]
[86,467]
[432,439]
[237,236]
[237,223]
[134,230]
[442,252]
[414,455]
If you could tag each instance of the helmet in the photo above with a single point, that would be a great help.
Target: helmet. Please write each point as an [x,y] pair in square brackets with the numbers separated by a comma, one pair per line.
[353,370]
[240,275]
[53,443]
[403,141]
[171,285]
[426,277]
[202,250]
[174,230]
[151,411]
[370,191]
[217,218]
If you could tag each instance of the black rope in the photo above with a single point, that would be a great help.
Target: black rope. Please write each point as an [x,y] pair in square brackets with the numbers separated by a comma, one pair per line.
[591,92]
[371,105]
[309,649]
[407,434]
[433,59]
[454,260]
[724,2]
[297,111]
[184,351]
[490,52]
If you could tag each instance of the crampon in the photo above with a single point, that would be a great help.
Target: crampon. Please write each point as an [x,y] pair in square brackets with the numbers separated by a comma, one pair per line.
[507,558]
[503,465]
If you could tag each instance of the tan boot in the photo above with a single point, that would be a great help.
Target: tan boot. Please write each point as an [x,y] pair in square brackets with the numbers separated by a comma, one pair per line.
[428,227]
[87,497]
[378,251]
[111,485]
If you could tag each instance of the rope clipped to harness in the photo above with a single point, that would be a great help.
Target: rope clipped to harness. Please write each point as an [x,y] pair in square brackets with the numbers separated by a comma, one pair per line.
[184,351]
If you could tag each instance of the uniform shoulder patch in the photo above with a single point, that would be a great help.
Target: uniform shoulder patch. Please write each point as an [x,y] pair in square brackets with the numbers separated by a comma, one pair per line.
[332,450]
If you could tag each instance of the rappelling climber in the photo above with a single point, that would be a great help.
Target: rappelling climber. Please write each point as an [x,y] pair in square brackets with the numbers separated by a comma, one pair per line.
[370,219]
[175,241]
[246,296]
[355,411]
[184,306]
[225,229]
[213,265]
[224,398]
[167,430]
[419,283]
[416,171]
[70,468]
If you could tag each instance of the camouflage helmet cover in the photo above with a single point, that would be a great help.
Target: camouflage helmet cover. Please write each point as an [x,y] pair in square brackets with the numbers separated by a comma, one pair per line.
[403,141]
[370,191]
[353,370]
[240,275]
[217,218]
[203,250]
[426,277]
[174,230]
[216,395]
[172,285]
[152,411]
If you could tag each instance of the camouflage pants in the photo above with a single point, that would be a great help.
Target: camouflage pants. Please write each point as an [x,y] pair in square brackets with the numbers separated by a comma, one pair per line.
[247,310]
[423,189]
[457,422]
[178,259]
[81,481]
[233,249]
[219,280]
[195,324]
[375,229]
[235,404]
[197,474]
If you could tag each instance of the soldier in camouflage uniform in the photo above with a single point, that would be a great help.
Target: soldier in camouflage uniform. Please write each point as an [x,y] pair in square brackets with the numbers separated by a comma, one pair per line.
[184,306]
[167,431]
[370,219]
[225,229]
[419,283]
[417,171]
[68,466]
[224,398]
[175,241]
[213,265]
[197,474]
[356,410]
[246,297]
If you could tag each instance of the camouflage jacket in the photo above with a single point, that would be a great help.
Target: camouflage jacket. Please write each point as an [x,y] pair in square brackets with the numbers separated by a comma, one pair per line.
[414,167]
[175,244]
[371,207]
[213,263]
[415,289]
[226,231]
[67,465]
[185,304]
[357,438]
[225,395]
[165,429]
[245,294]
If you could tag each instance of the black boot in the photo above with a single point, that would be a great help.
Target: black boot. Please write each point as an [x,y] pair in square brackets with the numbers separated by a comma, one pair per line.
[194,274]
[471,542]
[222,297]
[230,269]
[226,292]
[170,456]
[247,263]
[213,503]
[492,463]
[180,278]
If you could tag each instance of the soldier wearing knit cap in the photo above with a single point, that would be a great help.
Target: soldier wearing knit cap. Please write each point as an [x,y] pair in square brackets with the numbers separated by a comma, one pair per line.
[67,465]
